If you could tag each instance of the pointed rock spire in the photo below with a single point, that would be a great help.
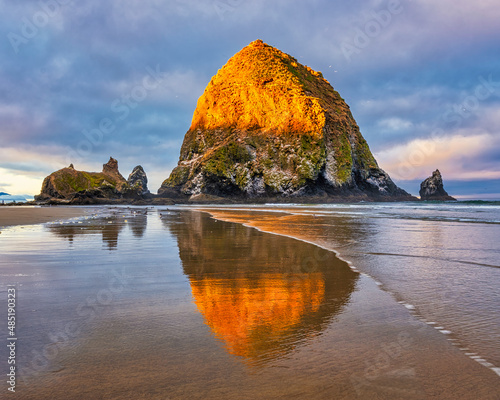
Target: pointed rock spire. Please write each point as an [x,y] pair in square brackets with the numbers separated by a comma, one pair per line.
[138,180]
[432,188]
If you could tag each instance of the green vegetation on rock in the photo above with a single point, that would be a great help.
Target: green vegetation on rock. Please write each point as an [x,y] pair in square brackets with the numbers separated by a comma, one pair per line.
[179,176]
[223,161]
[267,124]
[343,157]
[67,182]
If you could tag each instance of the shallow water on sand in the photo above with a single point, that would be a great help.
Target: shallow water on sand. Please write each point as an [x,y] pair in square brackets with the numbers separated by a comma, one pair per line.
[441,260]
[145,303]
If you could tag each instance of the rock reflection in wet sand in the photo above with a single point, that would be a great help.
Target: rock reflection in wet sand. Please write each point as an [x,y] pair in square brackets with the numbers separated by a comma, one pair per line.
[270,317]
[269,295]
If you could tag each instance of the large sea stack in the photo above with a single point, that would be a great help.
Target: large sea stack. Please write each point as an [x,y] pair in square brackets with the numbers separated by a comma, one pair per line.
[268,127]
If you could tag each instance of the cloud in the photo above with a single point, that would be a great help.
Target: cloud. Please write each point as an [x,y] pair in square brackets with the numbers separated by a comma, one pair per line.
[19,122]
[412,71]
[453,155]
[175,86]
[20,167]
[394,124]
[24,169]
[19,183]
[33,160]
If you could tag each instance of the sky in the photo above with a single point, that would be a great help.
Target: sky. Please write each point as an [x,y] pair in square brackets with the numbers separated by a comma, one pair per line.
[83,81]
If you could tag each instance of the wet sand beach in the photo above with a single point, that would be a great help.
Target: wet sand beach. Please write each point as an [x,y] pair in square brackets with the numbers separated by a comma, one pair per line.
[173,304]
[29,215]
[440,261]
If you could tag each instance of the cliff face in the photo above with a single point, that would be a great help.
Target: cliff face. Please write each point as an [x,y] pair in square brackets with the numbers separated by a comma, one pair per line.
[267,126]
[433,189]
[81,187]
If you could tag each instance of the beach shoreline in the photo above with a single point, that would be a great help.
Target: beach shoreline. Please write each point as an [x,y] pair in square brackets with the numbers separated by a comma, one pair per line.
[31,215]
[315,324]
[264,221]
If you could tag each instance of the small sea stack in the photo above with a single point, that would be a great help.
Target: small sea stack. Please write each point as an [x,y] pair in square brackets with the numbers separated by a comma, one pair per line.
[71,186]
[138,180]
[432,188]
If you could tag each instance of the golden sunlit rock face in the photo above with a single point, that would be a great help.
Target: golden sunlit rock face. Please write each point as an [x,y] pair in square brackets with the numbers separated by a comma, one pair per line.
[261,88]
[245,314]
[268,126]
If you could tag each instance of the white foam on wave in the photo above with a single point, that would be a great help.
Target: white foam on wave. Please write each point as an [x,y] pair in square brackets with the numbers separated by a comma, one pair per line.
[485,363]
[473,356]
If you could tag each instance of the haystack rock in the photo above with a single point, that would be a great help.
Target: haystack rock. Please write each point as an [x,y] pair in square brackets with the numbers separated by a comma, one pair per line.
[138,180]
[84,187]
[268,127]
[432,188]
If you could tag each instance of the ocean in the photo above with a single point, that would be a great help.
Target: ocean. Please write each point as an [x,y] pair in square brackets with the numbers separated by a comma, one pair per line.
[368,300]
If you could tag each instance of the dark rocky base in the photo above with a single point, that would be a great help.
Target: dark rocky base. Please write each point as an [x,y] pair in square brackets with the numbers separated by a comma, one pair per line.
[87,201]
[213,199]
[439,198]
[317,192]
[311,194]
